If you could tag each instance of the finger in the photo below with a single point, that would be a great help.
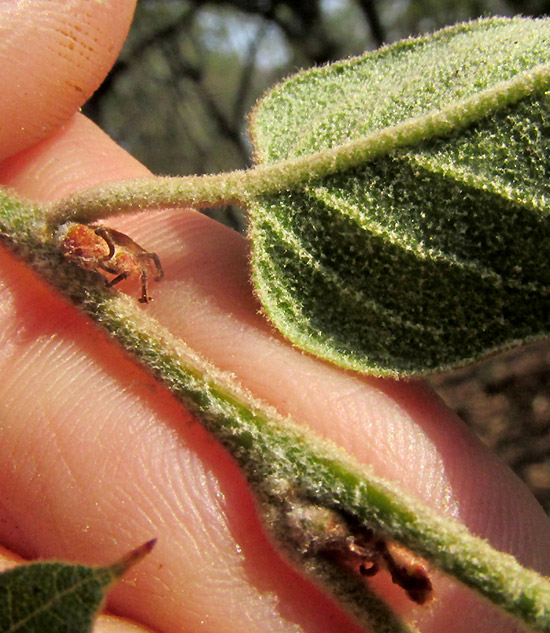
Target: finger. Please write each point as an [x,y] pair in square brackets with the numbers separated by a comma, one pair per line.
[113,624]
[63,50]
[68,160]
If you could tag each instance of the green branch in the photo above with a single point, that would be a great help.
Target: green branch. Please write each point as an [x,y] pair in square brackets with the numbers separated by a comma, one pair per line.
[304,487]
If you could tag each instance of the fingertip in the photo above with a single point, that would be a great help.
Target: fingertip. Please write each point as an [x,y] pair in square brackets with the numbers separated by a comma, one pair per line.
[58,51]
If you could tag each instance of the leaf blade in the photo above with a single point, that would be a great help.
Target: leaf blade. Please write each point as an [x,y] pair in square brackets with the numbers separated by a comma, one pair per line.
[426,257]
[362,96]
[53,596]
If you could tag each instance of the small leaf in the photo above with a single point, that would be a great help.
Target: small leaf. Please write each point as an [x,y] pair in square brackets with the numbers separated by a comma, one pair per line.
[428,251]
[58,597]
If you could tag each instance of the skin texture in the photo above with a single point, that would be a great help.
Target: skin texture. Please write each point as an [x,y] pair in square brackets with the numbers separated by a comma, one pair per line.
[98,458]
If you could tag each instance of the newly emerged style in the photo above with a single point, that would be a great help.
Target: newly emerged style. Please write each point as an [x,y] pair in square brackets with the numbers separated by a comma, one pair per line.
[103,249]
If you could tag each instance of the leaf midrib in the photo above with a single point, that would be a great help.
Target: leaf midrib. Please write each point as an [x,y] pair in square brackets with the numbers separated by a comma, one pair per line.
[435,123]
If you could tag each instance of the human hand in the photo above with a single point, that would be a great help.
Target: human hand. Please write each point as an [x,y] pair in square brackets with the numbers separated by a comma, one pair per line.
[99,458]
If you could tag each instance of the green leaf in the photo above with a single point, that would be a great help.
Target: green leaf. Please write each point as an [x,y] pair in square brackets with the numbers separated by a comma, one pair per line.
[427,250]
[58,597]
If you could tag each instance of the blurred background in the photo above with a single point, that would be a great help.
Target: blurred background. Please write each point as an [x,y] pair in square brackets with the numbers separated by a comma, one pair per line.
[178,99]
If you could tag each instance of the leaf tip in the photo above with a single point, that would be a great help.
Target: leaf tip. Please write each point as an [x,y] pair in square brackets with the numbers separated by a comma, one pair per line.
[132,558]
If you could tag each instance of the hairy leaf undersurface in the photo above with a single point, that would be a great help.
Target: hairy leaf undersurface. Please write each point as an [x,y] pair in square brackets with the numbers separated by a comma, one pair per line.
[429,251]
[60,597]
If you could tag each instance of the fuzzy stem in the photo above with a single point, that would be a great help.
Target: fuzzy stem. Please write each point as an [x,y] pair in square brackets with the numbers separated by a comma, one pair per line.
[242,187]
[281,460]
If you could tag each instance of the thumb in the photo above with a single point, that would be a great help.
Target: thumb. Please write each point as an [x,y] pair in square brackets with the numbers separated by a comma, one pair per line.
[69,48]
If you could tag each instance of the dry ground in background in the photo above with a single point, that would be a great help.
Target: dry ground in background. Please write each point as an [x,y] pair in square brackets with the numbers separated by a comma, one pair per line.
[506,400]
